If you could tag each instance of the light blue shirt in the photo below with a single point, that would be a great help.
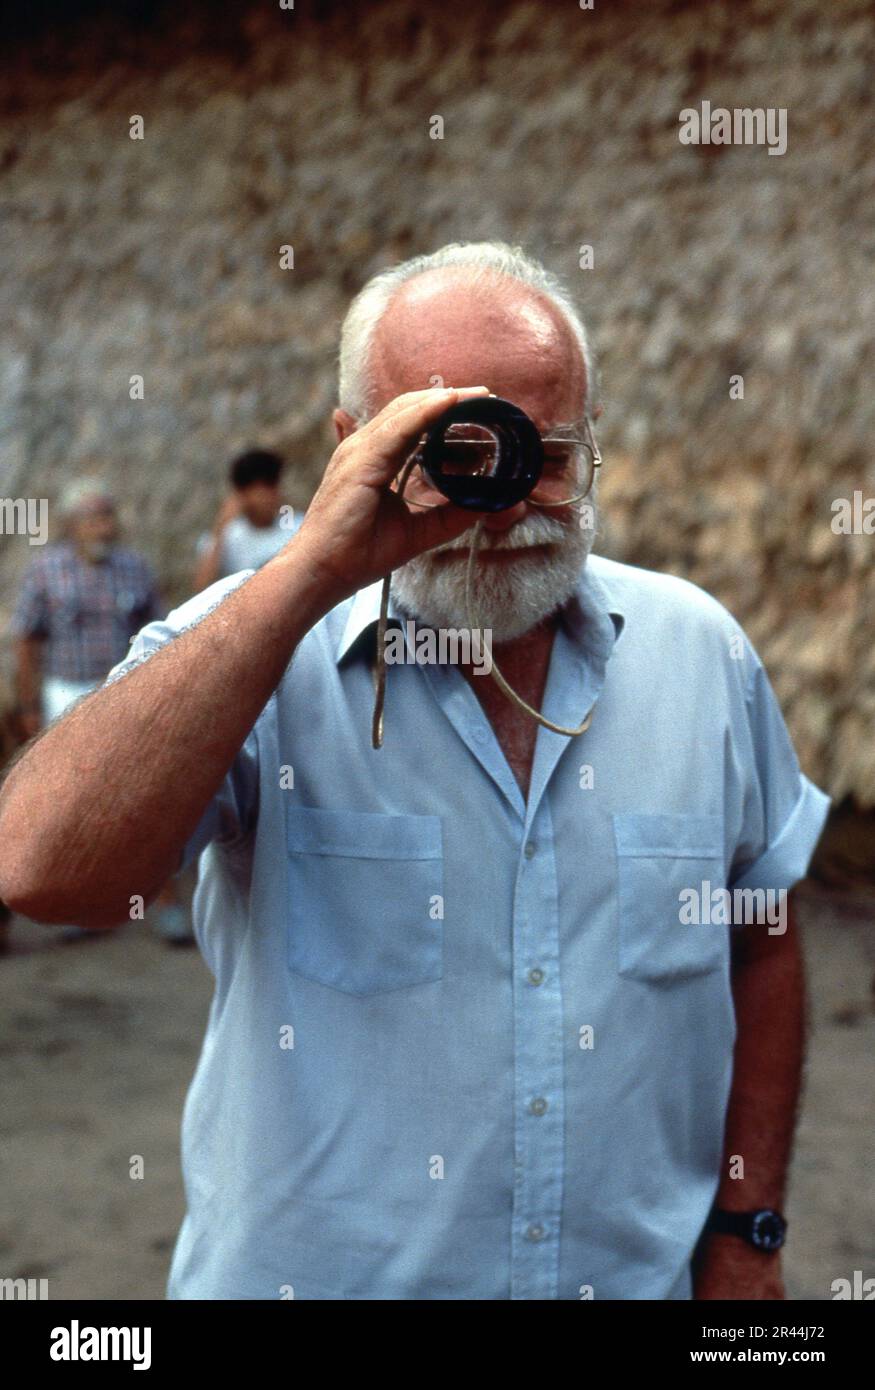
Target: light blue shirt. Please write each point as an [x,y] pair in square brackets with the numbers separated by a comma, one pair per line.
[461,1045]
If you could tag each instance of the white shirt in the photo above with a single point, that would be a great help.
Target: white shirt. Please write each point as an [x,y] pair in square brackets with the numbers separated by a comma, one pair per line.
[248,547]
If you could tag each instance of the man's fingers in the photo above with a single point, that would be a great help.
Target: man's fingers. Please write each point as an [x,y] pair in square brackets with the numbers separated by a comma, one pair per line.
[410,399]
[392,438]
[395,406]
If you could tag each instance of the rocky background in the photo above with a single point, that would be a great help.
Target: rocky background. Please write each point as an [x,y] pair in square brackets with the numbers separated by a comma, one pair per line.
[310,127]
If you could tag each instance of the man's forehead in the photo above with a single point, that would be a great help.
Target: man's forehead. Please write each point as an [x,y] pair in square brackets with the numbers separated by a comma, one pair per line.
[444,328]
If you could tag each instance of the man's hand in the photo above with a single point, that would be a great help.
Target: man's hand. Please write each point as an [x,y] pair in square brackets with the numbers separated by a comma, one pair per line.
[208,566]
[231,507]
[356,528]
[729,1268]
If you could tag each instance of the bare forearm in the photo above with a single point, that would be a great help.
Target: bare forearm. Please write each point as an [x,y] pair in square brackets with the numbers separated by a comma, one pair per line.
[769,990]
[102,805]
[769,993]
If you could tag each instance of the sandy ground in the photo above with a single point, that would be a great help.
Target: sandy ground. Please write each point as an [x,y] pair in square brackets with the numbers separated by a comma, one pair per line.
[99,1040]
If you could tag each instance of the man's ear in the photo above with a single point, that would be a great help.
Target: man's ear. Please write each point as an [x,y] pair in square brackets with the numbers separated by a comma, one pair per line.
[344,424]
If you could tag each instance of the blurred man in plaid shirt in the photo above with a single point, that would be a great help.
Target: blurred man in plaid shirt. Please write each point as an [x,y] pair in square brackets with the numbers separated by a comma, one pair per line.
[81,602]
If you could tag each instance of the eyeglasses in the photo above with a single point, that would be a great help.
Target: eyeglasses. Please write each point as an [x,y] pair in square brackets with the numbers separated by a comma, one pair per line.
[567,476]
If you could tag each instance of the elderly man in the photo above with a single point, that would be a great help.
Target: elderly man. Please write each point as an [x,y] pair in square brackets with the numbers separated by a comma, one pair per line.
[464,1043]
[81,602]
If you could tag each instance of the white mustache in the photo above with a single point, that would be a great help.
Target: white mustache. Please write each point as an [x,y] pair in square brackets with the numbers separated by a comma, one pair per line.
[533,530]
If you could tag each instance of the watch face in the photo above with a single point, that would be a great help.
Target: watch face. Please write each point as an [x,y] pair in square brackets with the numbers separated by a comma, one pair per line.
[768,1230]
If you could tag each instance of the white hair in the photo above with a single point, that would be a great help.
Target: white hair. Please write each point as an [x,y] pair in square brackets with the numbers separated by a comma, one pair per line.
[80,493]
[486,260]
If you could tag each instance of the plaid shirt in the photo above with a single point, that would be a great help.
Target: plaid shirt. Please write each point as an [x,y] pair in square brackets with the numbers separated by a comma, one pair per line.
[86,614]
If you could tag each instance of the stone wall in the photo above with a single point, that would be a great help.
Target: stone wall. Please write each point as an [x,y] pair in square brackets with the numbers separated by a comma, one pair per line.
[264,127]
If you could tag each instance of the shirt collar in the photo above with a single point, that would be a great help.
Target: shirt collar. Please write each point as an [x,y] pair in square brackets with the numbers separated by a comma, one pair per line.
[582,615]
[585,612]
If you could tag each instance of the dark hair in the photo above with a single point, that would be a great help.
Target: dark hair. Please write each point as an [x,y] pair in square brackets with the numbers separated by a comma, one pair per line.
[255,466]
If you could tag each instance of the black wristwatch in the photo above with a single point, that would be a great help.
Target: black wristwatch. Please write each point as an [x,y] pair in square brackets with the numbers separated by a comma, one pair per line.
[765,1229]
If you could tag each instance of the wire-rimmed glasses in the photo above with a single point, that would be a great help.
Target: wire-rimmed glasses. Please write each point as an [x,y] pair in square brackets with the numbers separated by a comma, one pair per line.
[571,457]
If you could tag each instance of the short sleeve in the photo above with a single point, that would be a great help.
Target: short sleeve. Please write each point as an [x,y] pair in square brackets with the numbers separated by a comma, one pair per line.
[782,813]
[231,812]
[30,616]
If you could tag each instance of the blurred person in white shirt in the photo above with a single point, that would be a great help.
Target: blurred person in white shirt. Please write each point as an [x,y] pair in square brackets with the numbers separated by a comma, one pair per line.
[253,522]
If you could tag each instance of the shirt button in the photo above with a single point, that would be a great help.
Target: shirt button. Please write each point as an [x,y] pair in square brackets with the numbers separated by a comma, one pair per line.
[479,735]
[538,1106]
[530,850]
[536,976]
[535,1233]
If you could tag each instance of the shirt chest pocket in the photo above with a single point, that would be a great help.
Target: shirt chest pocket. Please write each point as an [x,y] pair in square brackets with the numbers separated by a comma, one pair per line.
[365,899]
[667,867]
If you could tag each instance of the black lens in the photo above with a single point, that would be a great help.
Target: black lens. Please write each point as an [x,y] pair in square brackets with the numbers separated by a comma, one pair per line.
[500,470]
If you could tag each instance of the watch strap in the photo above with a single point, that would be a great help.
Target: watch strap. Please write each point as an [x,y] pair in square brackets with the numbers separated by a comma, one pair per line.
[764,1228]
[730,1223]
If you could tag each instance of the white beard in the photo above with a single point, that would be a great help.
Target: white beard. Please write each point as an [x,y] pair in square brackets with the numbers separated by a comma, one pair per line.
[510,598]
